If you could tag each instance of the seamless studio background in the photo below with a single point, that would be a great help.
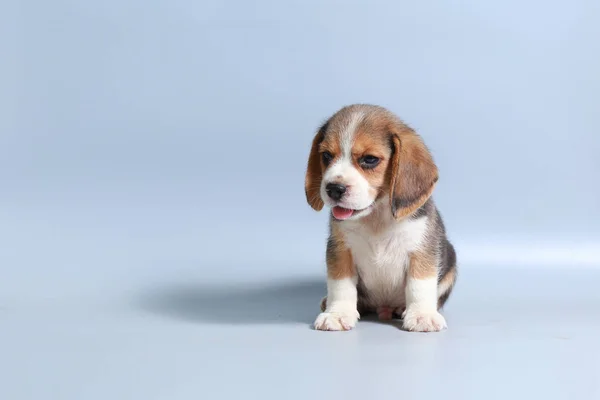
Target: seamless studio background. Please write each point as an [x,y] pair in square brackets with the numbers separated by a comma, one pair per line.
[156,238]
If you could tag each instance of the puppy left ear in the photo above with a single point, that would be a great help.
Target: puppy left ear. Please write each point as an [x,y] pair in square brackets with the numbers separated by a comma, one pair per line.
[314,175]
[413,175]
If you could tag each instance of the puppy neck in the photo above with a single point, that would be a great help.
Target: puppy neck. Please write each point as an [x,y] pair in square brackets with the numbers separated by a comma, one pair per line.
[379,220]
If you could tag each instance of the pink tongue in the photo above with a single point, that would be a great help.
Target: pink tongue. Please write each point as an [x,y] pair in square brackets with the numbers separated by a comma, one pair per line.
[341,213]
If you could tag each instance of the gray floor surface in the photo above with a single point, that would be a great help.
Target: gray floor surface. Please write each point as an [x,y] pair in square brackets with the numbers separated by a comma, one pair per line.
[513,333]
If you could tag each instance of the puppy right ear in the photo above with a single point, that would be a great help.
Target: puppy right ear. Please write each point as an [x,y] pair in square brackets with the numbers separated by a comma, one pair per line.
[414,173]
[314,174]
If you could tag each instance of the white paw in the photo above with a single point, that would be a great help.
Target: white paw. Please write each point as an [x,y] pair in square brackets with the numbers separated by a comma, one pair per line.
[336,320]
[416,320]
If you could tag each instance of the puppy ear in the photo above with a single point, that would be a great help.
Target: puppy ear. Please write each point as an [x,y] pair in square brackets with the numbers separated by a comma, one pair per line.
[413,175]
[314,175]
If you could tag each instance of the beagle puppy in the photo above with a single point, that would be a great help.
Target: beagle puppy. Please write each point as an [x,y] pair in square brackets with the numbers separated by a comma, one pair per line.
[387,251]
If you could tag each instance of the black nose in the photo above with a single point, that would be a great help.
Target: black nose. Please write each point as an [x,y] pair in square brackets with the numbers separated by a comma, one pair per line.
[335,190]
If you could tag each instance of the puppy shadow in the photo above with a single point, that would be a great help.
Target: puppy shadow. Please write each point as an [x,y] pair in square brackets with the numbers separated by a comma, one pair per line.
[273,303]
[370,316]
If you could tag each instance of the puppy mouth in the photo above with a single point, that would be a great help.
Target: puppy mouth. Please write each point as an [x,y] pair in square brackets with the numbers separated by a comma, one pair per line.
[341,213]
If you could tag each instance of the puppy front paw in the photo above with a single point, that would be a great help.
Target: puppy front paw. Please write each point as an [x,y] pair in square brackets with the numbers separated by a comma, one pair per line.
[418,320]
[336,320]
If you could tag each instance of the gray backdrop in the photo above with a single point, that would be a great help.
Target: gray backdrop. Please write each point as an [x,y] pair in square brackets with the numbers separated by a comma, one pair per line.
[145,142]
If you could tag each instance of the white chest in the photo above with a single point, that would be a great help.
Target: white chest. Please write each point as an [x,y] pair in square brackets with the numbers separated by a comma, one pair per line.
[382,258]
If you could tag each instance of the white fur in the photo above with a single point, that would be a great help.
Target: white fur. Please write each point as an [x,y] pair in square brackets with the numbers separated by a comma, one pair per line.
[382,253]
[359,196]
[421,313]
[422,293]
[348,135]
[341,313]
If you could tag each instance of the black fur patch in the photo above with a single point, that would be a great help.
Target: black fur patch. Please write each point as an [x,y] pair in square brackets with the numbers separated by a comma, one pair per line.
[447,265]
[423,211]
[404,202]
[443,299]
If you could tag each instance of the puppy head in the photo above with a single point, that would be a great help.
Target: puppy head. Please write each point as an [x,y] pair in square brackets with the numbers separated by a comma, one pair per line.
[364,153]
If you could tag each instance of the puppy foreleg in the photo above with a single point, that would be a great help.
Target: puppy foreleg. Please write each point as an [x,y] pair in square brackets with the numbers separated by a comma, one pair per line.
[421,314]
[340,311]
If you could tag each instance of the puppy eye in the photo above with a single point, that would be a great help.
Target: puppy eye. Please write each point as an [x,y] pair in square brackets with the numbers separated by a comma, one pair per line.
[327,157]
[368,161]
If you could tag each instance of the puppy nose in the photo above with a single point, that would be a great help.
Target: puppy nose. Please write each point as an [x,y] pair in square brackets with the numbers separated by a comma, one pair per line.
[335,190]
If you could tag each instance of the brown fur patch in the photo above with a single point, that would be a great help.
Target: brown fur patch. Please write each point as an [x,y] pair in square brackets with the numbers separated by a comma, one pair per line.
[414,174]
[339,259]
[373,143]
[423,265]
[331,144]
[314,172]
